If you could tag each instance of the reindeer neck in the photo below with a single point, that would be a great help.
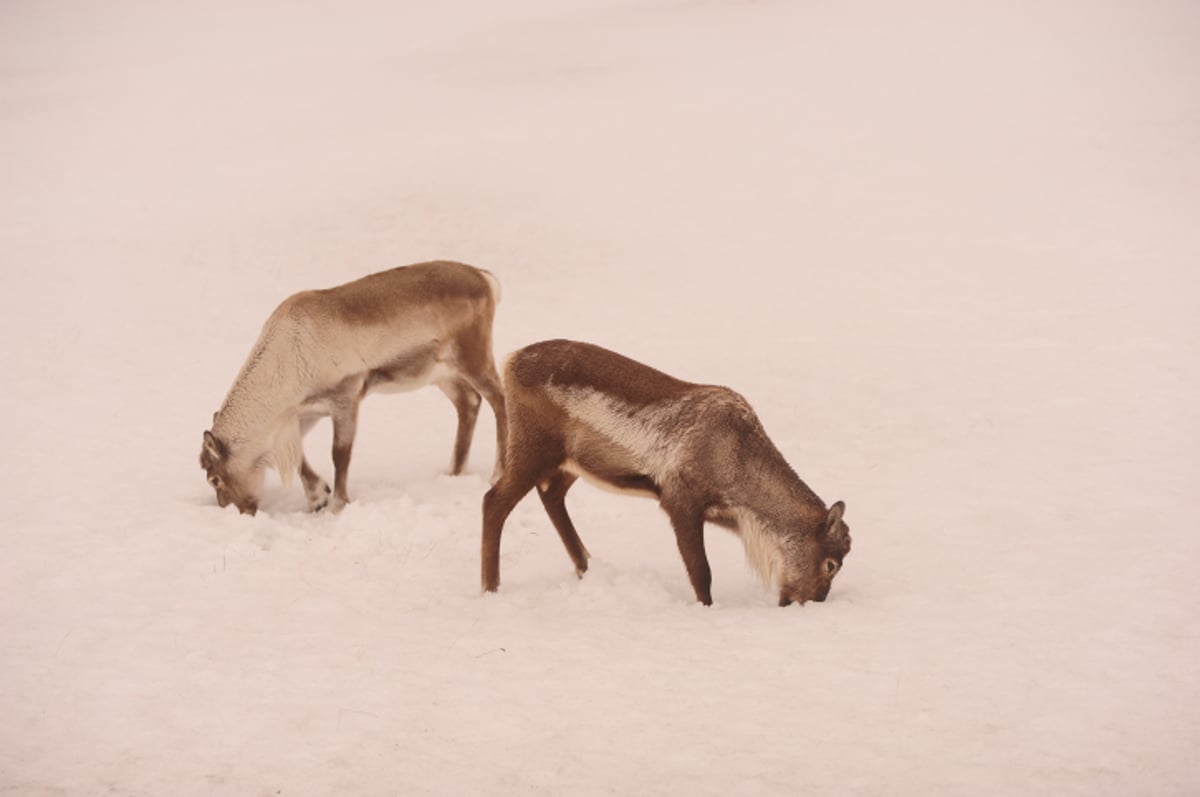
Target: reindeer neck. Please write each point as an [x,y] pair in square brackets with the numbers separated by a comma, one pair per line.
[772,490]
[267,386]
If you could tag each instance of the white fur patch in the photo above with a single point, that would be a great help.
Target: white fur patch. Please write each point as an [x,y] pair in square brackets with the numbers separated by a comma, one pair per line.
[762,549]
[286,448]
[642,431]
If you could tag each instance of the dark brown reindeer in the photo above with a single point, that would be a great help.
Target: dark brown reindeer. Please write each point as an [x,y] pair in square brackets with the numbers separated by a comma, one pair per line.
[579,410]
[322,351]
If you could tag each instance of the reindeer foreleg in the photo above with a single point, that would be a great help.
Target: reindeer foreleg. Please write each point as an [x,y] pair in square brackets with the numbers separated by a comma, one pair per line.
[345,425]
[687,518]
[316,489]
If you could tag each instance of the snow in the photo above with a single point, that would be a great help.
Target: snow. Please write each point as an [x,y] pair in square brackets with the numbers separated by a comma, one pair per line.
[946,250]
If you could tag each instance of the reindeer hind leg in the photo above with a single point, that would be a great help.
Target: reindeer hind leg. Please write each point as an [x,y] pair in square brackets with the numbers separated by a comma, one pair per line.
[553,493]
[498,503]
[473,357]
[524,468]
[466,402]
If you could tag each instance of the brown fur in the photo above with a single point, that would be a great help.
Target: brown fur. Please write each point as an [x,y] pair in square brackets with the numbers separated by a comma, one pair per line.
[577,409]
[322,351]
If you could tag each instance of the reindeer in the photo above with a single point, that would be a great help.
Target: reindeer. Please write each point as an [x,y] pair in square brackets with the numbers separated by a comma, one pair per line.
[579,410]
[322,351]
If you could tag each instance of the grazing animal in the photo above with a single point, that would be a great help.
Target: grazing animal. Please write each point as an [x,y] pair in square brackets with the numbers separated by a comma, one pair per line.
[579,410]
[322,351]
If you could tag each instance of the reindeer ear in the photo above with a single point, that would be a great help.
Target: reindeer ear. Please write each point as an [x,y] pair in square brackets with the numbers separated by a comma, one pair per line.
[213,447]
[834,526]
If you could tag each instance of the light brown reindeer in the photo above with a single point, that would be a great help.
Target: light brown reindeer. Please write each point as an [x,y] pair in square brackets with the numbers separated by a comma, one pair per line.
[322,351]
[579,410]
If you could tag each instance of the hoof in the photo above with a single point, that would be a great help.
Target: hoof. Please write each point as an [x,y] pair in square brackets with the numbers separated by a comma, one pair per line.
[318,497]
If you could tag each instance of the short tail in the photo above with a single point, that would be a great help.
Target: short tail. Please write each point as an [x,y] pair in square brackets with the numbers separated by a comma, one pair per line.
[493,284]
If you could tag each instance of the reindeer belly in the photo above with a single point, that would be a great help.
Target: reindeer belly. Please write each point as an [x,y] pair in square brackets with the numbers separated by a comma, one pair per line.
[609,466]
[615,482]
[404,377]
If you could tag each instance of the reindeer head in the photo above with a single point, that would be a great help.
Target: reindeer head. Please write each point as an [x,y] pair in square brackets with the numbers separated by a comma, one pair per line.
[234,482]
[815,559]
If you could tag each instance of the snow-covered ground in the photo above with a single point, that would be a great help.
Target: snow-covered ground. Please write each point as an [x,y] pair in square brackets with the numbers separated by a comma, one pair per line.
[948,251]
